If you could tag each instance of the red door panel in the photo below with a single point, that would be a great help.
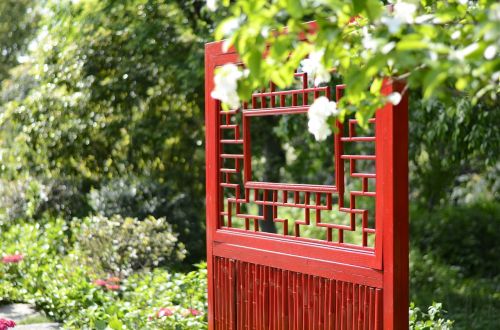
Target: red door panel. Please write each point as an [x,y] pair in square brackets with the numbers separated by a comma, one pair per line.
[335,262]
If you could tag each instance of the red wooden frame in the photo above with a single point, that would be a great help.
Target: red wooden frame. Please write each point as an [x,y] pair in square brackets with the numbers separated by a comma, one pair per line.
[382,269]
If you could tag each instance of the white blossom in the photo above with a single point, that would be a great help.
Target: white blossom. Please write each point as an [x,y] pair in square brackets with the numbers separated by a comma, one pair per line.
[318,114]
[212,5]
[403,13]
[463,53]
[368,41]
[226,84]
[226,44]
[388,47]
[490,52]
[315,68]
[455,35]
[394,98]
[229,26]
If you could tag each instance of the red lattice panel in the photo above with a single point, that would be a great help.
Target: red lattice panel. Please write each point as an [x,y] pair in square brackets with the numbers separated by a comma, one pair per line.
[251,296]
[339,259]
[238,189]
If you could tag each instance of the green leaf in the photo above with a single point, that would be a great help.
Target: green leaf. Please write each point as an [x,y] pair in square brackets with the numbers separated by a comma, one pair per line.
[294,8]
[411,44]
[373,9]
[115,324]
[376,85]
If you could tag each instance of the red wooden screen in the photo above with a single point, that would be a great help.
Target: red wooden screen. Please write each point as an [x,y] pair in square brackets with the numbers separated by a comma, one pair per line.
[353,273]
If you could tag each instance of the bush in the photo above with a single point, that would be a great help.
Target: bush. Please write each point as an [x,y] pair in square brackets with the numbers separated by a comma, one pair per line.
[31,199]
[120,246]
[464,236]
[51,277]
[432,320]
[139,197]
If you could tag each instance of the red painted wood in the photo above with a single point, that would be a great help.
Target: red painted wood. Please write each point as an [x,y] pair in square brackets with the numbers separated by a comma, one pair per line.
[261,280]
[392,206]
[308,302]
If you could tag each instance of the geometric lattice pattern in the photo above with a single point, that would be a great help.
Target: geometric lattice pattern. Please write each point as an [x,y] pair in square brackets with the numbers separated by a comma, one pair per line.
[332,210]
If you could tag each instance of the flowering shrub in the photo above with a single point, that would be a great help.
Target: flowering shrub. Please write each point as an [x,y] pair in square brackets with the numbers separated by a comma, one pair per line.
[121,246]
[5,324]
[52,277]
[9,259]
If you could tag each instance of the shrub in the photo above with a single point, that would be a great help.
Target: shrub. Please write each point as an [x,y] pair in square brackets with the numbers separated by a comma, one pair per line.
[464,236]
[139,197]
[31,199]
[120,246]
[50,277]
[432,320]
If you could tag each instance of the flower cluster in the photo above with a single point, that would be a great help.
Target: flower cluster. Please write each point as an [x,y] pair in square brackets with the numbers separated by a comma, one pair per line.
[226,85]
[318,114]
[112,283]
[314,67]
[175,310]
[11,259]
[403,13]
[5,324]
[164,312]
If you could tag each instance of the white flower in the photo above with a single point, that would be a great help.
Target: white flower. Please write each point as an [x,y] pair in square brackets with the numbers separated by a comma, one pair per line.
[226,84]
[463,53]
[212,5]
[455,35]
[229,26]
[226,44]
[318,114]
[490,52]
[368,41]
[388,47]
[394,98]
[319,128]
[403,13]
[314,68]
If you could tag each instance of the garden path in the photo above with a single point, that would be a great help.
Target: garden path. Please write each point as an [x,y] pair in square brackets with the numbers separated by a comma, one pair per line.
[26,317]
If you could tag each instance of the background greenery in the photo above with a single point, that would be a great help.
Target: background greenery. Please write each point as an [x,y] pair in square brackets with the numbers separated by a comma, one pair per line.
[101,114]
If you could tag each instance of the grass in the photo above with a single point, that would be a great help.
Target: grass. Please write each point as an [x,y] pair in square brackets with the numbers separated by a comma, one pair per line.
[35,320]
[472,302]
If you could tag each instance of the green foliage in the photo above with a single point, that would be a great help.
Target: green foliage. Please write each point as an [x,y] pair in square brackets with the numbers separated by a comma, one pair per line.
[139,197]
[452,142]
[52,277]
[459,235]
[454,260]
[18,20]
[441,46]
[28,198]
[110,90]
[433,320]
[120,246]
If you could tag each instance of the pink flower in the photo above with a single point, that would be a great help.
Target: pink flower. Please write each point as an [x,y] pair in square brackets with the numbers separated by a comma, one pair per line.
[112,287]
[194,312]
[5,324]
[164,312]
[113,280]
[15,258]
[100,282]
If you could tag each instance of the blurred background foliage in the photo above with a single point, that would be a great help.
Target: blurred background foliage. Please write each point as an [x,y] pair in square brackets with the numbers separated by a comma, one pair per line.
[101,114]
